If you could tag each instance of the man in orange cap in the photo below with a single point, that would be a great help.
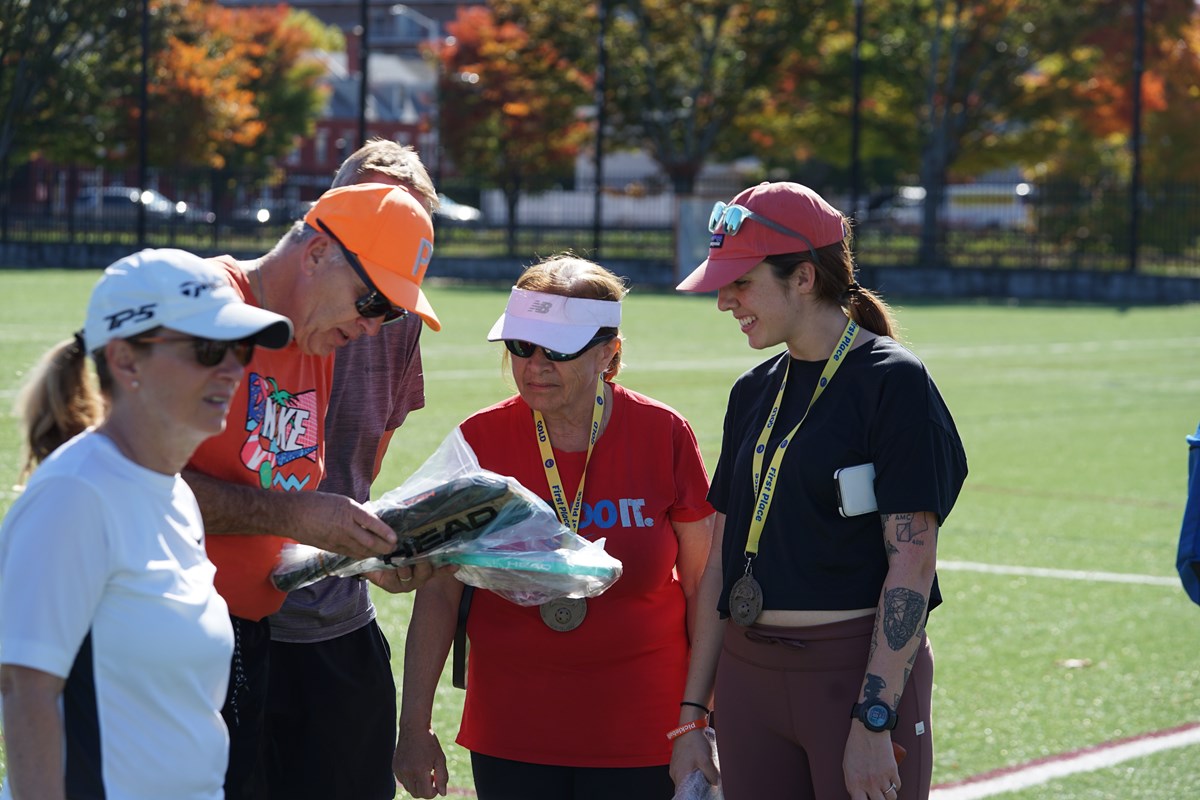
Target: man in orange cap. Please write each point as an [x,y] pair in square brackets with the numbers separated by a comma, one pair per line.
[330,663]
[355,262]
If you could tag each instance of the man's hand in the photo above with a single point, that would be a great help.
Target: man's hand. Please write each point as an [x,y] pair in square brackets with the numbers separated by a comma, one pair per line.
[336,523]
[420,763]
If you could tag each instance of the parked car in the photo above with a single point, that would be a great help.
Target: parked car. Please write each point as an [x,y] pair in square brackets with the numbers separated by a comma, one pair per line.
[120,203]
[453,212]
[967,206]
[271,210]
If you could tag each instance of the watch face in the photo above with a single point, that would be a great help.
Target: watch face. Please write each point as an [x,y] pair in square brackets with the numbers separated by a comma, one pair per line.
[877,716]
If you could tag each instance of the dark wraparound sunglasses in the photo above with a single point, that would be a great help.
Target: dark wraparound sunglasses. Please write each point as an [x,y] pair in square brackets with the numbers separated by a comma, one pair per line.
[522,349]
[374,303]
[208,352]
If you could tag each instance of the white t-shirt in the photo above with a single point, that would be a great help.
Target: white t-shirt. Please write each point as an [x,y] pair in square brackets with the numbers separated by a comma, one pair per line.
[104,582]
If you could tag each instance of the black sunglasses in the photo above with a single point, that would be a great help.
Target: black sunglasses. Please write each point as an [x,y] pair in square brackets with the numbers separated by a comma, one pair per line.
[522,349]
[208,352]
[372,304]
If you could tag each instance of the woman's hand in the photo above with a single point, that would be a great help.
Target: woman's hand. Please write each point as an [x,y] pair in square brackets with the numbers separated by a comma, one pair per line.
[692,751]
[869,765]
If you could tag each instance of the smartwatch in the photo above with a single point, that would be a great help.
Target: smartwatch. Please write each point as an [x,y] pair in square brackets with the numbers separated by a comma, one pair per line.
[875,715]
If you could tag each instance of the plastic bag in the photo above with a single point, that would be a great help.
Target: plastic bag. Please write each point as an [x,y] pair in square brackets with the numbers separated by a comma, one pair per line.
[450,511]
[695,786]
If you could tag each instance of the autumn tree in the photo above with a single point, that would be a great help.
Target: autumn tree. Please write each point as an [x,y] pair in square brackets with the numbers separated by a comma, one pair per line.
[964,77]
[285,81]
[508,104]
[1090,161]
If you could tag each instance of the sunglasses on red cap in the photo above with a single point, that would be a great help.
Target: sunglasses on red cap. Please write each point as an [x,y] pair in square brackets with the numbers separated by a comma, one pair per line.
[732,216]
[372,304]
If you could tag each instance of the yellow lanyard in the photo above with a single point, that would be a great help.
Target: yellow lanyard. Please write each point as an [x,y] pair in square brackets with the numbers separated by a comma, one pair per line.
[766,493]
[568,516]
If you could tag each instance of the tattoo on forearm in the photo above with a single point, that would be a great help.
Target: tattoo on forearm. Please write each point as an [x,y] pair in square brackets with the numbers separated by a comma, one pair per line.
[908,668]
[874,687]
[903,610]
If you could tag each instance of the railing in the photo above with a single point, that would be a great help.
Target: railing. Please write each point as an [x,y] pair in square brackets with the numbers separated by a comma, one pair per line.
[1061,227]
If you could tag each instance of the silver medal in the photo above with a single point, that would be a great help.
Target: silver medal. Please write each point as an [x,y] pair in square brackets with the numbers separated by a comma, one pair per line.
[745,600]
[565,614]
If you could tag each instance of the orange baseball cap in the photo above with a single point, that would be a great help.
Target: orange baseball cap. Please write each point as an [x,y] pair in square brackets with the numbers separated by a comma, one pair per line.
[390,232]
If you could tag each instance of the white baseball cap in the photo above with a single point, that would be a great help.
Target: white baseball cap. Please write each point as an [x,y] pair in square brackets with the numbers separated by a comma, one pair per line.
[177,290]
[553,321]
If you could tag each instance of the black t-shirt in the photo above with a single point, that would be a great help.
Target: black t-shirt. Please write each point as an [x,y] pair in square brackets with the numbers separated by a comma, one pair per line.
[881,407]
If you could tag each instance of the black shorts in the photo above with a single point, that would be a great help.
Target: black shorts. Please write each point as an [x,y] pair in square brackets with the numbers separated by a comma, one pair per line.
[502,779]
[245,709]
[331,719]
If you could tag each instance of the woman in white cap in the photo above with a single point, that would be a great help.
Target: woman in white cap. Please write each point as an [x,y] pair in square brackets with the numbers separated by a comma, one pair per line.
[839,463]
[571,701]
[114,646]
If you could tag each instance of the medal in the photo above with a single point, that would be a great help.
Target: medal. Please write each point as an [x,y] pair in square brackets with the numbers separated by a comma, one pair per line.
[745,600]
[566,614]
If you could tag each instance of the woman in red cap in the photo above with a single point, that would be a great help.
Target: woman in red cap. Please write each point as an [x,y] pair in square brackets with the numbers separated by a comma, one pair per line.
[811,638]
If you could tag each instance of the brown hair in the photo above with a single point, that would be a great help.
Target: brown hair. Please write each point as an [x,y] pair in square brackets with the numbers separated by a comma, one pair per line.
[399,162]
[835,283]
[568,275]
[58,401]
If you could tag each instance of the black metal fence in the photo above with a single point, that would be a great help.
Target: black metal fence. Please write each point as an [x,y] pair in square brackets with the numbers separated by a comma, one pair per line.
[1058,227]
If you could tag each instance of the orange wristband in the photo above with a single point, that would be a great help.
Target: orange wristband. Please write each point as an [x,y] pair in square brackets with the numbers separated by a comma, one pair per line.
[695,724]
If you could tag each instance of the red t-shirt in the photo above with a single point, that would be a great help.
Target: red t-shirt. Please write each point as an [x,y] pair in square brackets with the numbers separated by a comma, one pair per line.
[606,693]
[274,439]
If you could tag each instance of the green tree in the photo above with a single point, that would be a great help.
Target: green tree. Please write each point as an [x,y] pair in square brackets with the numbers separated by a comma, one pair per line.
[508,105]
[60,70]
[679,74]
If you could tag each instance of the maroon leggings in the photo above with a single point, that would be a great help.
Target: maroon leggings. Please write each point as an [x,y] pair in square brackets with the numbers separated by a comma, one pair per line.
[783,699]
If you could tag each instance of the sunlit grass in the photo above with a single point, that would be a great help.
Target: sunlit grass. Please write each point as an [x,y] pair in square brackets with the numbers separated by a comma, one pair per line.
[1074,420]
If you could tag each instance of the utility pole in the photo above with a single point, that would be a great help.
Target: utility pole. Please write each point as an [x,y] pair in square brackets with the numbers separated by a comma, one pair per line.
[856,113]
[601,121]
[363,55]
[1135,136]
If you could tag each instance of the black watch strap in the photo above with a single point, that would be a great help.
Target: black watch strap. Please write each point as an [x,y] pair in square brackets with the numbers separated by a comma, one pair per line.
[875,715]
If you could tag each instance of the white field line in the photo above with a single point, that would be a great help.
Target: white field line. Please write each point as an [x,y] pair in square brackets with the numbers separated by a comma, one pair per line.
[1063,574]
[1088,760]
[641,358]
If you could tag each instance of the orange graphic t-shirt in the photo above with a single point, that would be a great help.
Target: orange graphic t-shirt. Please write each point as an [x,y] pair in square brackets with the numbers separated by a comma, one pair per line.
[273,439]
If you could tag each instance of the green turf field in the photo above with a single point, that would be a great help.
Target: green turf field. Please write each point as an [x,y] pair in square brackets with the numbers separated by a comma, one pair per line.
[1074,420]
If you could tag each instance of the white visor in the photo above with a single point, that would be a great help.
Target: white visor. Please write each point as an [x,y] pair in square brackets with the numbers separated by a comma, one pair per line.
[553,321]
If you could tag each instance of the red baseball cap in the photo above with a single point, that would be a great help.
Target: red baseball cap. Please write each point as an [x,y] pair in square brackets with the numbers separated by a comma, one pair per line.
[391,233]
[784,218]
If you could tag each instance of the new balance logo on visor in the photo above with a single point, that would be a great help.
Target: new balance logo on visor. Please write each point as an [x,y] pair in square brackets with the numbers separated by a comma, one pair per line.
[540,307]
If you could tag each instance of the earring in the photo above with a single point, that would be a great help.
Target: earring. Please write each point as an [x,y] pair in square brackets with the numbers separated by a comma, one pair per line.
[135,384]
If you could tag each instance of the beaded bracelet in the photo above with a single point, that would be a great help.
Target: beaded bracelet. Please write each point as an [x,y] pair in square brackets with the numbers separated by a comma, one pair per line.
[695,724]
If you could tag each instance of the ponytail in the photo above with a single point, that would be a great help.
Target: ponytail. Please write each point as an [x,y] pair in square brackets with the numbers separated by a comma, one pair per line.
[58,401]
[835,284]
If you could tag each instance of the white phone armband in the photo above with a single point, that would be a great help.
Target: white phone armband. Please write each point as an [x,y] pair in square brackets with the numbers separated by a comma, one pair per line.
[856,490]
